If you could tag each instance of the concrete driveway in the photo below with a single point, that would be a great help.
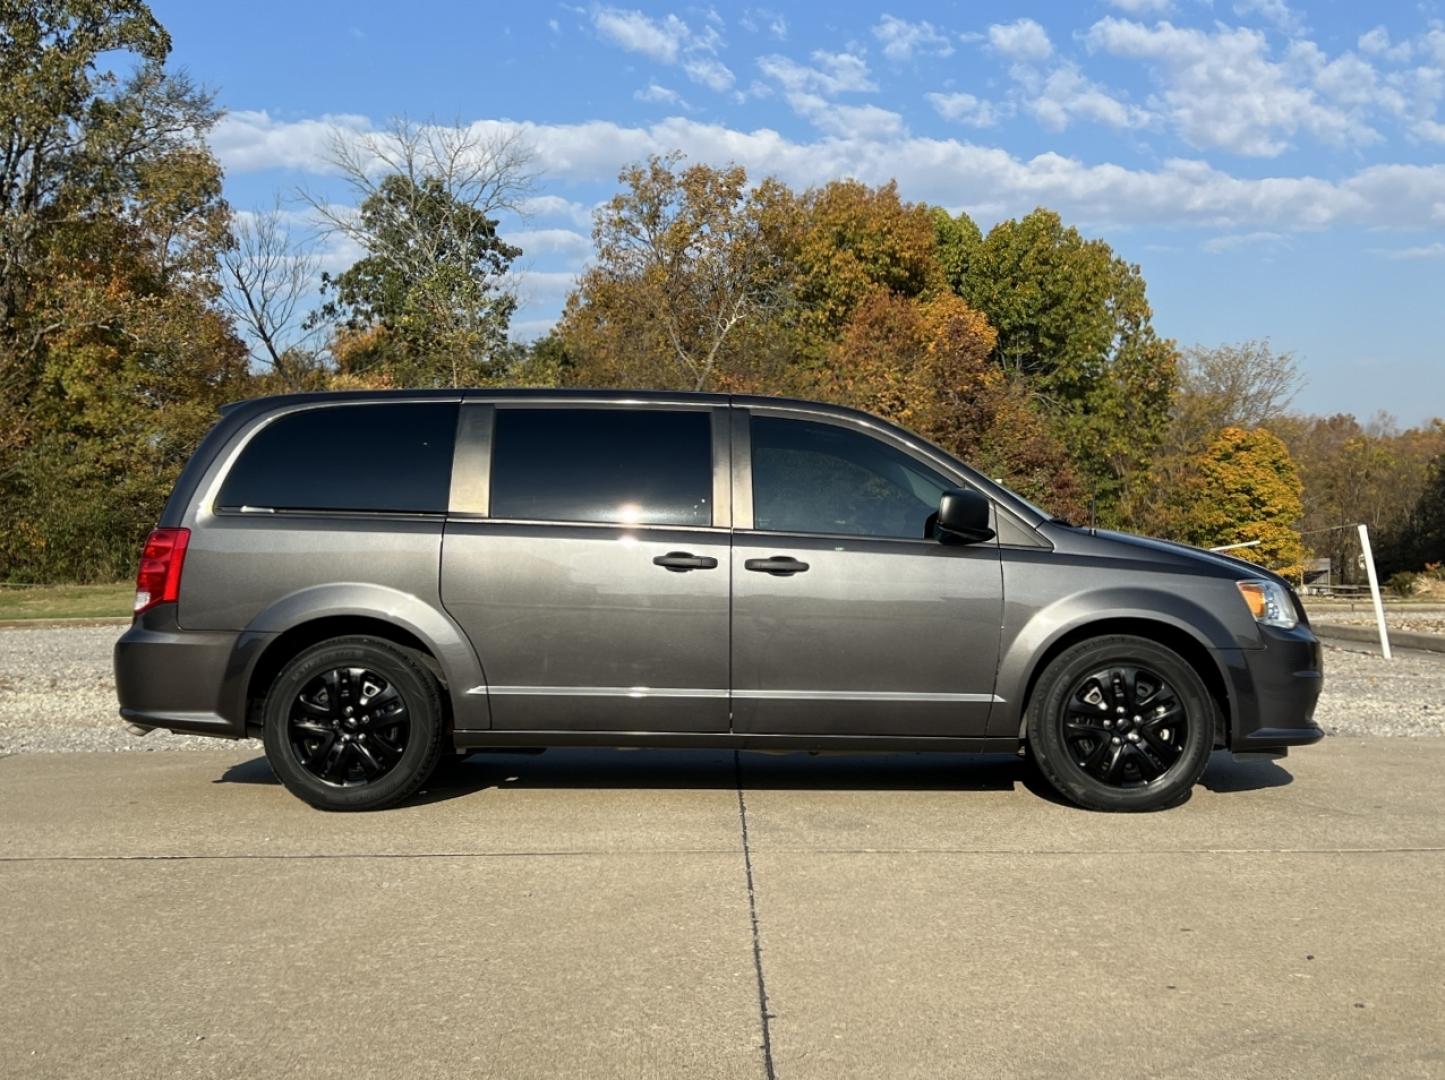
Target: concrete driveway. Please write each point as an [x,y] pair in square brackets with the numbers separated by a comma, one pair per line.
[652,914]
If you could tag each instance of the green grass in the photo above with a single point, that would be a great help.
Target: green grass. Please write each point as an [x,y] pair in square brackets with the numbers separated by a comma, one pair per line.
[67,601]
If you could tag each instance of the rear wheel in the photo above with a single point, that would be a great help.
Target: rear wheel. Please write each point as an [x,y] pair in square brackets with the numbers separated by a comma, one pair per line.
[354,723]
[1121,723]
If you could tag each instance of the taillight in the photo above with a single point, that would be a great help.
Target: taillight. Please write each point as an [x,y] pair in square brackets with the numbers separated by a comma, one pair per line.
[158,581]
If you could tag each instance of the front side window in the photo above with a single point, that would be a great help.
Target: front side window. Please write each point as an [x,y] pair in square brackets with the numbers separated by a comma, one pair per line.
[611,466]
[820,478]
[390,458]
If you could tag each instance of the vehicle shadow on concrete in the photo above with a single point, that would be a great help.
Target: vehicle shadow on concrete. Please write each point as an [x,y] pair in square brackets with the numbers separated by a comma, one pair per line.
[717,769]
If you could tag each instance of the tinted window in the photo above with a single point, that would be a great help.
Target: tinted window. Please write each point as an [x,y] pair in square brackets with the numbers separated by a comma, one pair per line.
[348,457]
[624,466]
[820,478]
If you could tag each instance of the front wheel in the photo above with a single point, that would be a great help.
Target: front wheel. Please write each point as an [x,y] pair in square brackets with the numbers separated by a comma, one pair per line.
[1121,723]
[354,723]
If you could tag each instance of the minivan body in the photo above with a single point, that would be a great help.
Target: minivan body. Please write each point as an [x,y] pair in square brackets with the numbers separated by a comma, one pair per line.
[548,568]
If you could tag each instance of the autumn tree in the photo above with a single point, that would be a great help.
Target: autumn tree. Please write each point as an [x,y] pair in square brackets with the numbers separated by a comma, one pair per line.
[113,353]
[926,366]
[853,242]
[431,301]
[1248,385]
[688,267]
[1073,323]
[1372,473]
[1244,488]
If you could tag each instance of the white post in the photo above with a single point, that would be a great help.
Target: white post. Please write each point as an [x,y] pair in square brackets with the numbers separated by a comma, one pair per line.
[1375,590]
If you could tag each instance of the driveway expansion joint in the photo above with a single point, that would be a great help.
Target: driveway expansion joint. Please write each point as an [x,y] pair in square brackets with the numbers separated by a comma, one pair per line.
[765,1016]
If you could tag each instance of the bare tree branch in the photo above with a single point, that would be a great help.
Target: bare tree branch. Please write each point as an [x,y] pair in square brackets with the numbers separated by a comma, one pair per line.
[267,276]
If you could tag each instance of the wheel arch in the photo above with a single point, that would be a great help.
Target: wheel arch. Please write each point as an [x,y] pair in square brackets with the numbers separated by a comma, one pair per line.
[1190,647]
[305,618]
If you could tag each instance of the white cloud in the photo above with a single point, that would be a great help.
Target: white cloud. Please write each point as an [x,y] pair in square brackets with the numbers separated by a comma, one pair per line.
[832,73]
[1424,251]
[710,72]
[1220,245]
[565,242]
[758,20]
[1023,39]
[662,39]
[657,94]
[1067,95]
[1432,130]
[1142,7]
[1376,42]
[965,109]
[808,91]
[986,180]
[556,208]
[541,288]
[1222,89]
[1348,79]
[901,39]
[668,40]
[1277,12]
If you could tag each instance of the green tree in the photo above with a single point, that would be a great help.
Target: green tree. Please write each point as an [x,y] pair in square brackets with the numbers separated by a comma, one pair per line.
[431,302]
[112,351]
[1245,487]
[956,239]
[1074,323]
[1420,541]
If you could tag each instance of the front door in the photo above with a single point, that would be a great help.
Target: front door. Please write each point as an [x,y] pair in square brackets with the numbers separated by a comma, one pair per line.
[848,619]
[594,585]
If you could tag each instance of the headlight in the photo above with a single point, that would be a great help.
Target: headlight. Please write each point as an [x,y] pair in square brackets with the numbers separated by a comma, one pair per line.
[1269,603]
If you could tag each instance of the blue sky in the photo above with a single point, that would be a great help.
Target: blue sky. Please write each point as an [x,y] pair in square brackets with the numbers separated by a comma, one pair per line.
[1277,169]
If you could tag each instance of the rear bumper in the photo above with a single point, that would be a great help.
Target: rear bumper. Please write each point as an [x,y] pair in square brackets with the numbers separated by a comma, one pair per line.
[1273,691]
[188,681]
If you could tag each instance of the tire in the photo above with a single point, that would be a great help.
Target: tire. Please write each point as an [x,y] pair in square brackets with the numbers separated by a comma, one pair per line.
[354,723]
[1121,723]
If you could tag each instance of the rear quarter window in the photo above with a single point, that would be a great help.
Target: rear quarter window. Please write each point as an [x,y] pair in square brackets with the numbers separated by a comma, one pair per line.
[365,458]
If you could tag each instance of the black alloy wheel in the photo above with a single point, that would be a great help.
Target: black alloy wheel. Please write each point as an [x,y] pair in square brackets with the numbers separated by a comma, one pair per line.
[348,726]
[1121,722]
[1125,726]
[354,723]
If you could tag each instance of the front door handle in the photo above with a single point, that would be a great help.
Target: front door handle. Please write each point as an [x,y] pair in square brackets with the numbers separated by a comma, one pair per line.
[778,565]
[679,562]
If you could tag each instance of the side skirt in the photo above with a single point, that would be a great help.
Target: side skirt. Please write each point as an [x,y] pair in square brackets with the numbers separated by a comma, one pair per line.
[475,740]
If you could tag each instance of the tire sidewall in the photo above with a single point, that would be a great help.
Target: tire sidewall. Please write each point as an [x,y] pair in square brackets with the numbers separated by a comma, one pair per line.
[415,684]
[1045,733]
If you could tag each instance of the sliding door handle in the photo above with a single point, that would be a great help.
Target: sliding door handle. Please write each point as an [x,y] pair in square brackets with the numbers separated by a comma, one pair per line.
[679,562]
[778,565]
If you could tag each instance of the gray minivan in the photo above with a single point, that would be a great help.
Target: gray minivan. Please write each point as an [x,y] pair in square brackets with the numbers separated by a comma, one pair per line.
[372,580]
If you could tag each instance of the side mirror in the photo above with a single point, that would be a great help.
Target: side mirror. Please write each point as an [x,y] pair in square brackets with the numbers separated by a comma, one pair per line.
[963,517]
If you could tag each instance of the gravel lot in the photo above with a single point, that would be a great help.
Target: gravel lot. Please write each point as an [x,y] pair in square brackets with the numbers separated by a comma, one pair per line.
[56,694]
[1419,619]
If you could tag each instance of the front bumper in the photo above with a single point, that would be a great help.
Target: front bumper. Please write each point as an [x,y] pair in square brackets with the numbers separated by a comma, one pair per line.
[186,681]
[1273,691]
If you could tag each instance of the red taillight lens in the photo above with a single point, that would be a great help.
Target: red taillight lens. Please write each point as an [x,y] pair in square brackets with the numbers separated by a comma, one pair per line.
[158,581]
